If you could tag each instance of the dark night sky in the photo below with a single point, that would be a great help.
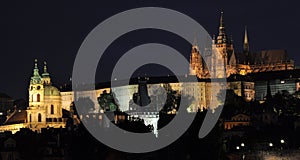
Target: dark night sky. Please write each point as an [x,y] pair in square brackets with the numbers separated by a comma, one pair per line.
[53,31]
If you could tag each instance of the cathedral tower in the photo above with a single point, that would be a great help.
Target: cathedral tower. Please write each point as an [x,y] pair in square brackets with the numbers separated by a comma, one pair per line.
[223,49]
[36,89]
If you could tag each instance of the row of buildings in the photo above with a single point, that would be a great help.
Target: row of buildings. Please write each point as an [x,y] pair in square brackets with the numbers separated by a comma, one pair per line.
[248,75]
[46,102]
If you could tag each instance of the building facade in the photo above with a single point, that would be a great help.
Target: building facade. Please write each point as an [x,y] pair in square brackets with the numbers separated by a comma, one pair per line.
[44,109]
[225,61]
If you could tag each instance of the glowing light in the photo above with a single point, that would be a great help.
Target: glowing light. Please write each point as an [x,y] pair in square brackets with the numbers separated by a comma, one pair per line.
[271,144]
[243,144]
[282,141]
[237,147]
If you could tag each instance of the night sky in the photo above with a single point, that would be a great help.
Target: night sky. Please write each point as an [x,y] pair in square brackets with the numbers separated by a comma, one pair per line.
[54,31]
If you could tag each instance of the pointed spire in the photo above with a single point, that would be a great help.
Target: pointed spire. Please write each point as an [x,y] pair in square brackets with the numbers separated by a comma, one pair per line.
[246,35]
[246,42]
[221,19]
[222,35]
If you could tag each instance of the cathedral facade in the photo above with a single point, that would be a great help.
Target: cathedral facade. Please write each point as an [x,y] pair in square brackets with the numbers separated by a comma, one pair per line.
[224,61]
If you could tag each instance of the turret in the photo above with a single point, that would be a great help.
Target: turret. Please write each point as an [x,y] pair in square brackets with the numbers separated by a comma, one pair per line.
[46,76]
[36,78]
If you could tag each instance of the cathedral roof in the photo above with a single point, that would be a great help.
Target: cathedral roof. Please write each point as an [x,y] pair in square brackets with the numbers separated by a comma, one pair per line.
[271,56]
[265,57]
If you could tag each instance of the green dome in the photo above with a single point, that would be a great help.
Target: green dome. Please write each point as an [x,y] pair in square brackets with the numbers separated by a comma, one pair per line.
[51,91]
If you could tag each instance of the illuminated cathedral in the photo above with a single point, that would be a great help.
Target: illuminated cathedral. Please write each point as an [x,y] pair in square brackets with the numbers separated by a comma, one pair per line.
[234,62]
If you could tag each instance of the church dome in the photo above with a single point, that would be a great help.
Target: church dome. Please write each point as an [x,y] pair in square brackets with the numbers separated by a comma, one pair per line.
[51,91]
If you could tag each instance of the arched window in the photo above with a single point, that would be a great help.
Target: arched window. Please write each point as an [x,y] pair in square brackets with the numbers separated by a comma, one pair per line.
[38,98]
[39,118]
[30,118]
[52,109]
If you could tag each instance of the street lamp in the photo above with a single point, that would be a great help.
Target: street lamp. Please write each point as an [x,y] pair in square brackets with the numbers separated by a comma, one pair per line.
[237,147]
[271,144]
[243,144]
[282,141]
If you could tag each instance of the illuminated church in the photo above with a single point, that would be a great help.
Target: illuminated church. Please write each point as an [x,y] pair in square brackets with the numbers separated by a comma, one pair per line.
[44,110]
[234,62]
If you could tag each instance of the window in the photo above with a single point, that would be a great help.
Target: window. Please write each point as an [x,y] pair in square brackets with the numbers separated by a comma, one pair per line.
[38,98]
[52,109]
[30,118]
[39,118]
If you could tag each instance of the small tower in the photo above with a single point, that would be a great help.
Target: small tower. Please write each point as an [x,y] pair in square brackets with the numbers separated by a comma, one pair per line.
[222,50]
[36,78]
[36,89]
[46,80]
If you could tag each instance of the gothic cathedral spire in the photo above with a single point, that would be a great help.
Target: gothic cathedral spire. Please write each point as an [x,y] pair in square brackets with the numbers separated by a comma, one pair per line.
[246,42]
[222,35]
